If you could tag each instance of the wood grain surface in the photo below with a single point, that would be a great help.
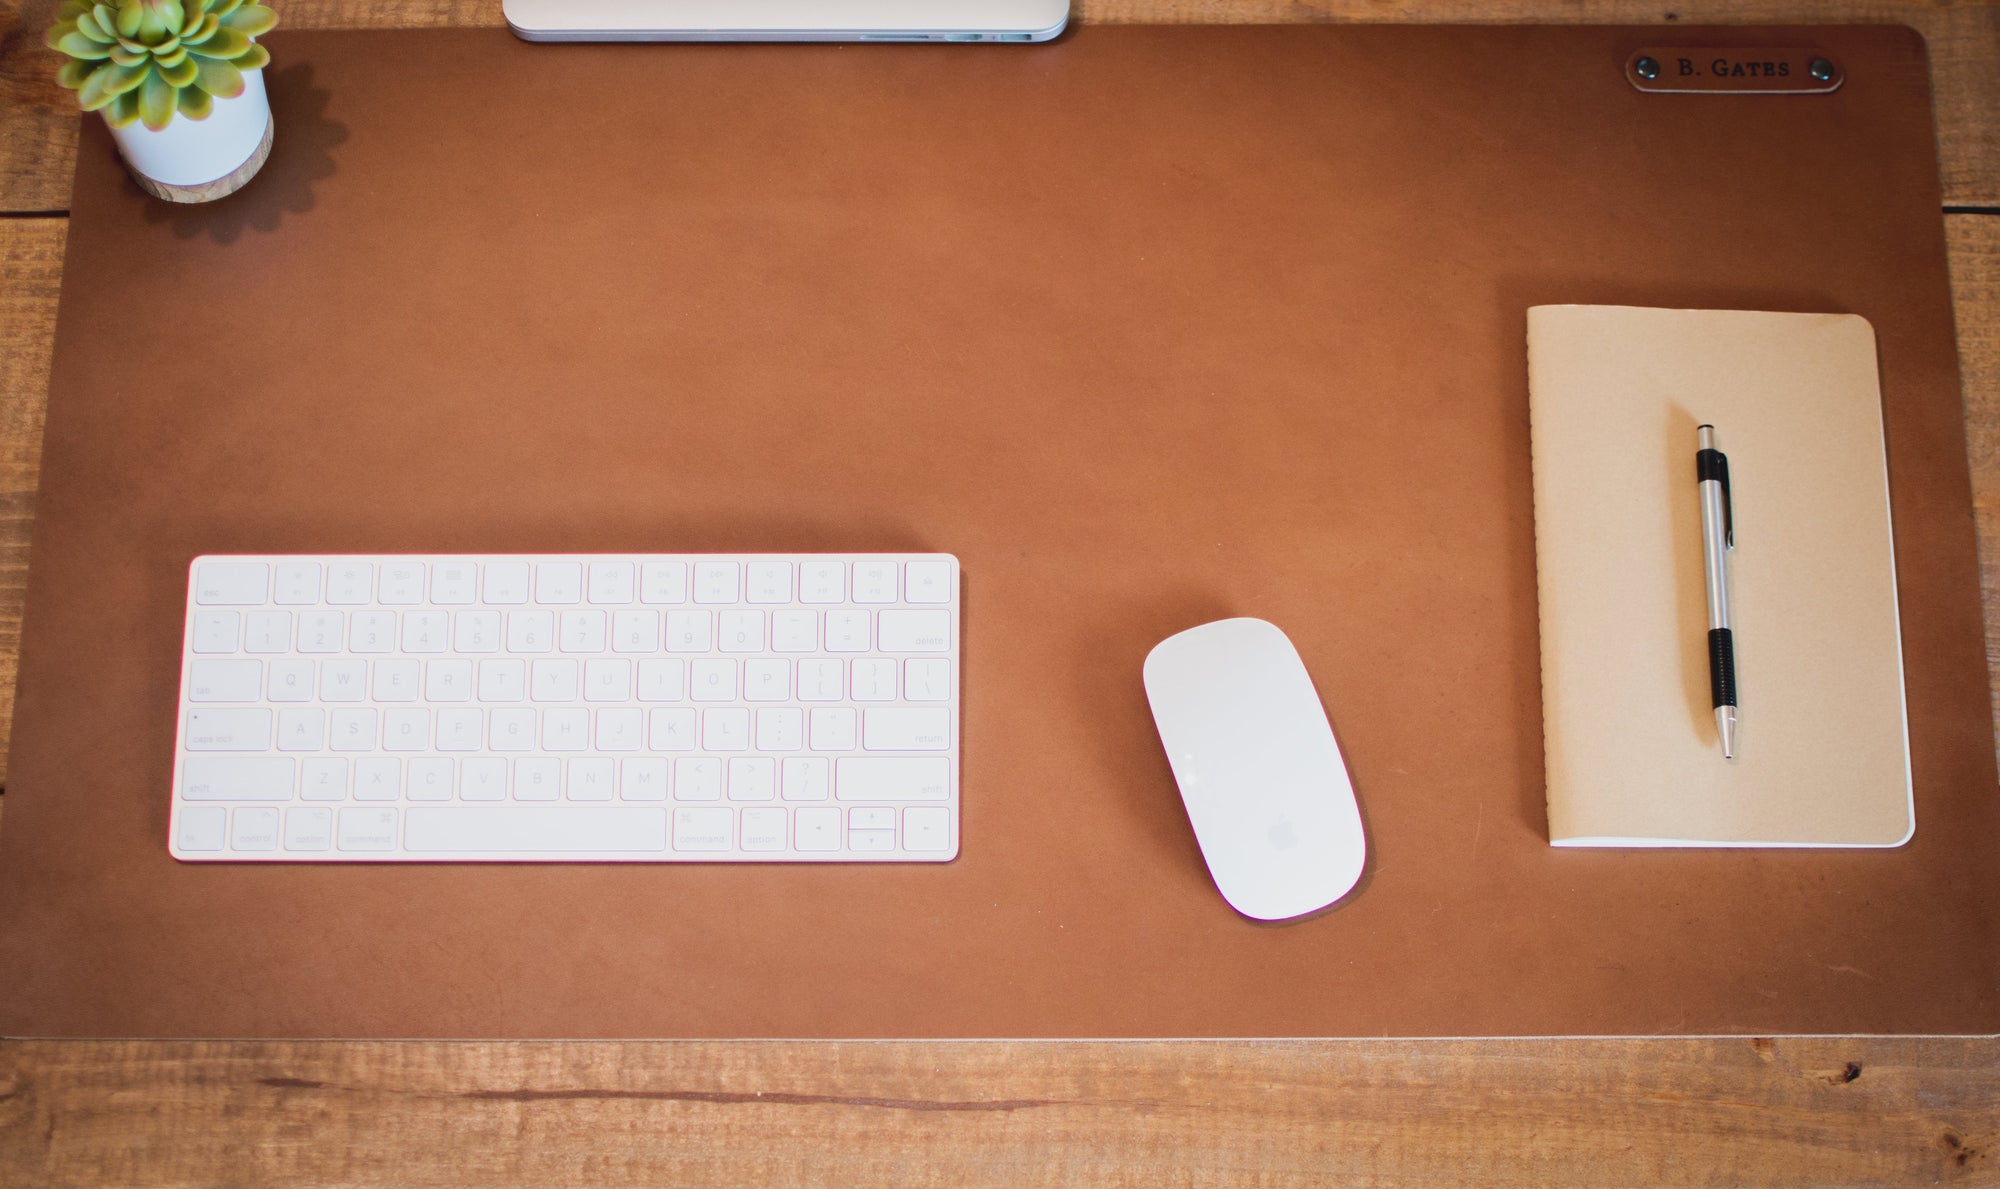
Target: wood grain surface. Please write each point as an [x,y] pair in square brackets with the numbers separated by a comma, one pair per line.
[1809,1111]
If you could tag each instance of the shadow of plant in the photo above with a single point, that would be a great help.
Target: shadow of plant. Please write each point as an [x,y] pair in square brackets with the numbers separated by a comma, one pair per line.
[301,153]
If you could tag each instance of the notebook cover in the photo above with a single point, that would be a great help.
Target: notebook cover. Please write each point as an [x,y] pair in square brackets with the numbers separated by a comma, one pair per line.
[1615,395]
[1149,327]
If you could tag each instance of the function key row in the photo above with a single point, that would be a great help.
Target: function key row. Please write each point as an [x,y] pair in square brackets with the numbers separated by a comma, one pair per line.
[229,583]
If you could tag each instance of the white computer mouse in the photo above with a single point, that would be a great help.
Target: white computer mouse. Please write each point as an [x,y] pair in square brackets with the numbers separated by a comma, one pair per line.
[1258,767]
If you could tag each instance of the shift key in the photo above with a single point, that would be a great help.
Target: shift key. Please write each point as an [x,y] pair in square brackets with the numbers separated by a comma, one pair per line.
[228,730]
[892,778]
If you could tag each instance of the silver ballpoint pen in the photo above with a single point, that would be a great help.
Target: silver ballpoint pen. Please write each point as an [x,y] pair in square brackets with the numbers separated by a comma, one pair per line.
[1718,537]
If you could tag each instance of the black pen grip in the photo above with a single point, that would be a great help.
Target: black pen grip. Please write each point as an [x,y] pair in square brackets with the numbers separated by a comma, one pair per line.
[1721,667]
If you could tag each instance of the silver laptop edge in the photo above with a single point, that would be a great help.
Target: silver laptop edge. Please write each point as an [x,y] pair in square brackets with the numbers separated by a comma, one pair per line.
[786,20]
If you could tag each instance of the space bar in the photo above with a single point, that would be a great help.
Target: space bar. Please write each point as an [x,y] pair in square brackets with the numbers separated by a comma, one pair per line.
[537,828]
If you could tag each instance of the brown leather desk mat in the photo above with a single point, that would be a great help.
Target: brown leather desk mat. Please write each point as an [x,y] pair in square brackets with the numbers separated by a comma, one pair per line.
[1150,326]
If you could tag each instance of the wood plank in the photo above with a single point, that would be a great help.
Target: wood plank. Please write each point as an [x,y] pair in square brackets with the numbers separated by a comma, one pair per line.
[1738,1111]
[1973,246]
[38,119]
[31,255]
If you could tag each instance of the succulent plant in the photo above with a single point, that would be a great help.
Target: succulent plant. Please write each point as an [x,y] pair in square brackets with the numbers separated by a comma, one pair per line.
[147,59]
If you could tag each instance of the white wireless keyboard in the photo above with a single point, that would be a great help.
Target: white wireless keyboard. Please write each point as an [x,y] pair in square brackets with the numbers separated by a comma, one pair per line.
[571,708]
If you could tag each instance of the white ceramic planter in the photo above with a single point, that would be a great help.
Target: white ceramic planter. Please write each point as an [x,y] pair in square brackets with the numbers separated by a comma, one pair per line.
[201,160]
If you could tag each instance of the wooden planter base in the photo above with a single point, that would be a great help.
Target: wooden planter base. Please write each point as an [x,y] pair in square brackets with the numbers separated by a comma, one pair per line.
[221,187]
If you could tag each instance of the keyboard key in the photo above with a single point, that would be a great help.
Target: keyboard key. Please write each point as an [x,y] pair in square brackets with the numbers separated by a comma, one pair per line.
[763,830]
[717,582]
[475,631]
[780,728]
[822,582]
[926,680]
[228,730]
[768,582]
[290,680]
[712,680]
[225,681]
[267,631]
[663,582]
[430,779]
[635,629]
[483,778]
[607,680]
[688,631]
[397,680]
[794,631]
[460,729]
[301,728]
[741,631]
[202,827]
[906,729]
[448,681]
[350,583]
[454,584]
[367,830]
[537,779]
[873,680]
[927,828]
[371,631]
[321,631]
[623,729]
[805,778]
[593,779]
[913,631]
[927,582]
[698,779]
[831,728]
[530,631]
[503,681]
[725,728]
[559,582]
[875,582]
[505,584]
[847,630]
[702,829]
[582,630]
[643,780]
[816,829]
[532,830]
[753,778]
[553,680]
[295,584]
[322,779]
[216,631]
[670,730]
[308,829]
[378,778]
[237,778]
[611,582]
[425,631]
[231,583]
[401,584]
[351,729]
[662,680]
[892,778]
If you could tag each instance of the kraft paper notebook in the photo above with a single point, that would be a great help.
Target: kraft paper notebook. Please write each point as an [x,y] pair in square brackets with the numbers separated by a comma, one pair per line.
[1149,327]
[1615,396]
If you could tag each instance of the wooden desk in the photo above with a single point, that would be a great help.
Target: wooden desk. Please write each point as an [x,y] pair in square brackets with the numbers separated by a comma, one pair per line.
[1812,1111]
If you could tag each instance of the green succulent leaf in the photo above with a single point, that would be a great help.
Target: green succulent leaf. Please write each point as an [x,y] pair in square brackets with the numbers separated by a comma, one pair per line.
[156,101]
[202,30]
[256,59]
[251,20]
[72,73]
[226,44]
[108,82]
[86,24]
[222,8]
[76,45]
[195,103]
[125,57]
[70,8]
[179,75]
[173,59]
[218,78]
[122,111]
[129,19]
[106,16]
[157,18]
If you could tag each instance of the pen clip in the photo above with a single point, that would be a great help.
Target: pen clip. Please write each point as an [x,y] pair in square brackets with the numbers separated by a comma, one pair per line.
[1728,504]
